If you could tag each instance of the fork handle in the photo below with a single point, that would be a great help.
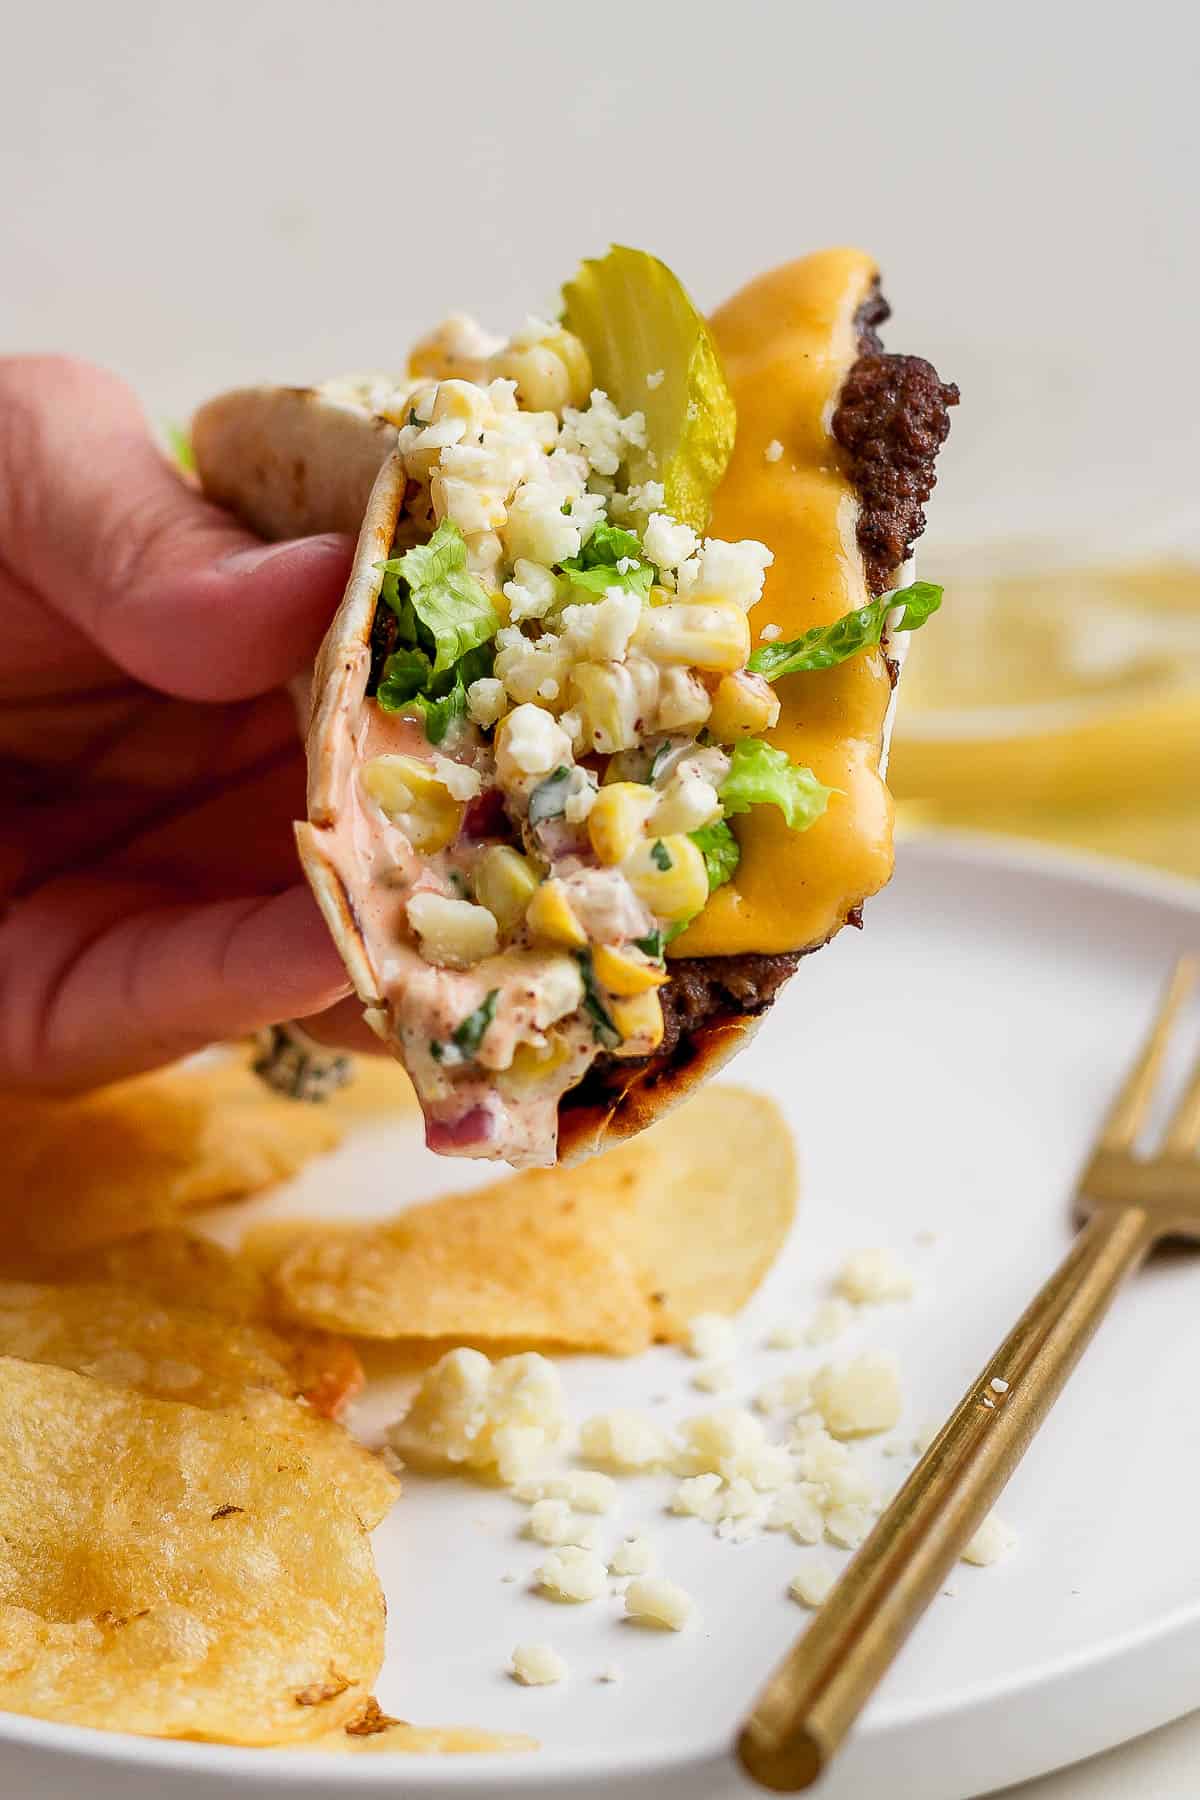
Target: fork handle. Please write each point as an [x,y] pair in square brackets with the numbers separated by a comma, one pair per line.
[821,1686]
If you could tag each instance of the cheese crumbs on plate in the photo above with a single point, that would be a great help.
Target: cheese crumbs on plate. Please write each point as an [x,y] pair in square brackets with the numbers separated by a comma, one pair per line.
[813,1583]
[571,1573]
[658,1602]
[992,1541]
[710,1337]
[860,1396]
[635,1556]
[537,1665]
[871,1277]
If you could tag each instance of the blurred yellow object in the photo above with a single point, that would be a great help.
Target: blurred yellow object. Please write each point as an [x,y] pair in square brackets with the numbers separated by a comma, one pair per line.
[1060,703]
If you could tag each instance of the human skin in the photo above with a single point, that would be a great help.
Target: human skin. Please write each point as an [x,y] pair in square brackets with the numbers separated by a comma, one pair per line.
[150,759]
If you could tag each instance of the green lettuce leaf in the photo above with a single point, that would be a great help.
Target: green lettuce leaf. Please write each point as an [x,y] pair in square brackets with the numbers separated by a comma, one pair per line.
[180,445]
[440,701]
[405,674]
[760,775]
[720,850]
[827,645]
[595,568]
[445,608]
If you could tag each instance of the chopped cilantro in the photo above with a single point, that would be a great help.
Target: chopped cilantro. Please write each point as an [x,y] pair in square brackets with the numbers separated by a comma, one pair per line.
[603,1029]
[468,1036]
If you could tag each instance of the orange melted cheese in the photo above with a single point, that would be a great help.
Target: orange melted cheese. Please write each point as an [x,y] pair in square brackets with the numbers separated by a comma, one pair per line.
[787,342]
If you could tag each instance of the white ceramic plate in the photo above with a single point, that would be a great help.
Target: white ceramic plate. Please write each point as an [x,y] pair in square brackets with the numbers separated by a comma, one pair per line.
[943,1072]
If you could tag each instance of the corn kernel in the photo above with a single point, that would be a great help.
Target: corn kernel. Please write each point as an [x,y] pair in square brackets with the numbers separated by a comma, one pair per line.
[640,1019]
[505,882]
[669,875]
[683,701]
[617,817]
[462,400]
[623,973]
[452,933]
[532,1063]
[413,796]
[709,636]
[608,702]
[550,917]
[551,373]
[743,705]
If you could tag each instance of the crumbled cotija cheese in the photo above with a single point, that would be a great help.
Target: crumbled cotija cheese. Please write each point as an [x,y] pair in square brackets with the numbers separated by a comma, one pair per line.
[471,1412]
[585,1489]
[625,1439]
[537,1665]
[829,1321]
[813,1583]
[559,1527]
[993,1539]
[633,1557]
[870,1277]
[798,1509]
[710,1336]
[717,1378]
[858,1397]
[658,1601]
[696,1496]
[773,451]
[570,1573]
[785,1336]
[848,1525]
[787,1393]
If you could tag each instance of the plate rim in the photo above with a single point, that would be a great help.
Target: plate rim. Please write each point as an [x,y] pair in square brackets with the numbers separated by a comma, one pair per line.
[277,1767]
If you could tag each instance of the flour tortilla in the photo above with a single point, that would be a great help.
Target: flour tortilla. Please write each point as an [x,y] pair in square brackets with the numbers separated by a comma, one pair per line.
[290,461]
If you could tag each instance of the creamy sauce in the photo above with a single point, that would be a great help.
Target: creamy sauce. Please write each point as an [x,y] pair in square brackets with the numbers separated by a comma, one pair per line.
[787,342]
[466,1112]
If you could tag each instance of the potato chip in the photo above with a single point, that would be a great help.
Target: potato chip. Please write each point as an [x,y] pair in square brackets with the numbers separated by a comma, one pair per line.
[363,1477]
[90,1170]
[174,1266]
[401,1739]
[172,1572]
[606,1255]
[708,1229]
[179,1353]
[530,1257]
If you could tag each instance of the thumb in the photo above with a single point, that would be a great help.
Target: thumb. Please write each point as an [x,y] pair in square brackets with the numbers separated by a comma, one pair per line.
[164,583]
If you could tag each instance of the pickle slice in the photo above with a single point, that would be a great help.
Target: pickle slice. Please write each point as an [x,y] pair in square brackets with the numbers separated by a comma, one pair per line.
[637,321]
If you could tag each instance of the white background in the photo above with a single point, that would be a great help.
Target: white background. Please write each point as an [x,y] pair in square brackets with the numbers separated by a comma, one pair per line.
[204,194]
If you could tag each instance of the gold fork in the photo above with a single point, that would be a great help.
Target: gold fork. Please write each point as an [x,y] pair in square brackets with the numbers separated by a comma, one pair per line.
[1128,1203]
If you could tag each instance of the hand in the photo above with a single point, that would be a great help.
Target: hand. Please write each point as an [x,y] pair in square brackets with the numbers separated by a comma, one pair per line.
[150,759]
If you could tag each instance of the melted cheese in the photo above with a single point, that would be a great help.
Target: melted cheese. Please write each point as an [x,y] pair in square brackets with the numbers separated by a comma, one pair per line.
[787,342]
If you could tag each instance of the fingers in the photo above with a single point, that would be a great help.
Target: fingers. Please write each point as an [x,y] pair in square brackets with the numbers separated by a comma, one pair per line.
[342,1027]
[102,979]
[168,586]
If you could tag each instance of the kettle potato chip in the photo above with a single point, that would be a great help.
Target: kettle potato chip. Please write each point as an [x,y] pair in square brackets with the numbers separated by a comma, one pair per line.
[174,1266]
[176,1353]
[97,1167]
[172,1572]
[609,1254]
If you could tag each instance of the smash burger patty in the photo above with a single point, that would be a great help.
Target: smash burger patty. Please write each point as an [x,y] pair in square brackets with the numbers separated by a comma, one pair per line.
[891,420]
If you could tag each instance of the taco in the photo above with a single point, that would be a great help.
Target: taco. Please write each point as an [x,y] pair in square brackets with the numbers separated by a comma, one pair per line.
[599,733]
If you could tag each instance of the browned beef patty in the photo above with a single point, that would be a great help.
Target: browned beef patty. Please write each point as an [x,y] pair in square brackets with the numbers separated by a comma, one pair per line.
[892,418]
